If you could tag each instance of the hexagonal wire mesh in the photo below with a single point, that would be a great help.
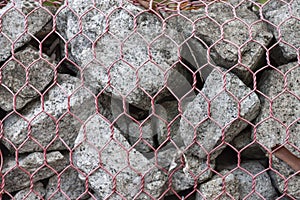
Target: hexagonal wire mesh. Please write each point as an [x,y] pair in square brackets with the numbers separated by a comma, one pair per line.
[150,99]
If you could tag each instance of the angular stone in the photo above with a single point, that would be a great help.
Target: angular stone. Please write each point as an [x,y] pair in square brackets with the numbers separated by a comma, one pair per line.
[13,24]
[101,149]
[263,184]
[81,104]
[284,126]
[285,17]
[69,183]
[236,31]
[40,74]
[17,178]
[223,110]
[38,192]
[213,189]
[184,170]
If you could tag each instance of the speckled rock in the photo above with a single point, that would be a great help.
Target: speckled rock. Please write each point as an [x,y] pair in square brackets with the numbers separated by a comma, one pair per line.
[96,139]
[288,31]
[236,36]
[263,184]
[223,110]
[285,108]
[137,69]
[184,170]
[213,189]
[69,183]
[17,179]
[43,126]
[13,24]
[40,74]
[38,192]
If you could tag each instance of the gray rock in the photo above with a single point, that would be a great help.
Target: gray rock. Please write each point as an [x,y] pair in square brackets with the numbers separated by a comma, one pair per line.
[13,24]
[236,35]
[284,16]
[213,189]
[223,110]
[43,126]
[142,61]
[17,177]
[69,183]
[246,145]
[36,193]
[101,149]
[285,109]
[184,170]
[40,74]
[263,184]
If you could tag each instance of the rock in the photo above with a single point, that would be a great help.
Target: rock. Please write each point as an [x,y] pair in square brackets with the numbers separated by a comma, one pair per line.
[81,104]
[285,26]
[236,33]
[184,170]
[223,110]
[101,149]
[69,183]
[213,189]
[17,177]
[244,143]
[40,74]
[38,192]
[136,70]
[282,127]
[14,24]
[263,185]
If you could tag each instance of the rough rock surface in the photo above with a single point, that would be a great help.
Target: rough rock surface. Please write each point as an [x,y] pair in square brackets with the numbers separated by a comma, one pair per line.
[17,178]
[43,126]
[285,108]
[14,72]
[236,36]
[69,185]
[287,32]
[213,189]
[13,24]
[263,184]
[223,110]
[38,192]
[96,139]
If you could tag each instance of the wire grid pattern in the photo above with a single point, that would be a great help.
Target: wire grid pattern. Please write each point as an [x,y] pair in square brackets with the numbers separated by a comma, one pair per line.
[174,9]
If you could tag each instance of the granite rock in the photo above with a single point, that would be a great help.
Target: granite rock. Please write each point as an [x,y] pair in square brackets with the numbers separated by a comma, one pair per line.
[14,72]
[17,177]
[224,113]
[97,138]
[43,124]
[38,192]
[14,25]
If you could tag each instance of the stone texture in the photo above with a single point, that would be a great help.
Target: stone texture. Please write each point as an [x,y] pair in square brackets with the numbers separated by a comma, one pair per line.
[69,184]
[38,192]
[182,169]
[285,108]
[43,126]
[213,189]
[15,176]
[223,110]
[96,139]
[236,34]
[14,72]
[284,16]
[131,69]
[263,184]
[13,24]
[244,143]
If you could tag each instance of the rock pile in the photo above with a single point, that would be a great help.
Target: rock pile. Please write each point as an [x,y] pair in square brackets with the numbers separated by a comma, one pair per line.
[107,100]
